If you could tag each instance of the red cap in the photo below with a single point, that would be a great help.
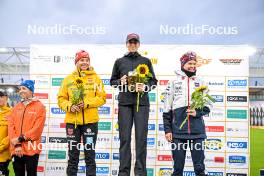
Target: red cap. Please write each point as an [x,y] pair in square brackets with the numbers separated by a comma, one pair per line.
[81,54]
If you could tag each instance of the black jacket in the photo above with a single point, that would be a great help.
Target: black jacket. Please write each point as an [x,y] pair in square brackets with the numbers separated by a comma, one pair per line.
[121,67]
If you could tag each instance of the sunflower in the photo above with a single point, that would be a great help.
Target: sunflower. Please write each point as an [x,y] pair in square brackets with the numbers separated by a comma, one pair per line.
[201,88]
[142,70]
[78,82]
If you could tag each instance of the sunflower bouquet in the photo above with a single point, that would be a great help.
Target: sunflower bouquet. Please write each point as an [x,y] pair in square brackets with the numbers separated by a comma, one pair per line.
[140,75]
[199,99]
[78,94]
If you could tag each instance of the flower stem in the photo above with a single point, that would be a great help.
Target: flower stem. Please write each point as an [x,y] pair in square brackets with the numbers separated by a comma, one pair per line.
[137,101]
[183,123]
[75,120]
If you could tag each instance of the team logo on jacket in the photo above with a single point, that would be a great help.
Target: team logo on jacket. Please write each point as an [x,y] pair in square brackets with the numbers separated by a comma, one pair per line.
[196,84]
[89,132]
[90,80]
[178,90]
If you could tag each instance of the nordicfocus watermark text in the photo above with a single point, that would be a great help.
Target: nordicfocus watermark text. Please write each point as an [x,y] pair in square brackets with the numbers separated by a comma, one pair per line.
[191,29]
[59,29]
[71,144]
[121,88]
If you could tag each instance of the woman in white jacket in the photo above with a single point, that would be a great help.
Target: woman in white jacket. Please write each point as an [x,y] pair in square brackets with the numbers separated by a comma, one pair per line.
[177,100]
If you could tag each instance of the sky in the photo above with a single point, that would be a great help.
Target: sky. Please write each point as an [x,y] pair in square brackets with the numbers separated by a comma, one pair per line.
[207,22]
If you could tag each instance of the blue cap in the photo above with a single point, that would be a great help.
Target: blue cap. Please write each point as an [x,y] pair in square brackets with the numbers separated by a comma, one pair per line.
[29,84]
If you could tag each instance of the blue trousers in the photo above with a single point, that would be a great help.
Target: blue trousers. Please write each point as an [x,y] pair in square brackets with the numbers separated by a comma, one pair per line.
[179,154]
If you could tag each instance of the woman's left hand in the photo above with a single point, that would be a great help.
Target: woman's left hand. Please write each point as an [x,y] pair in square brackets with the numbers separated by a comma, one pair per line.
[81,104]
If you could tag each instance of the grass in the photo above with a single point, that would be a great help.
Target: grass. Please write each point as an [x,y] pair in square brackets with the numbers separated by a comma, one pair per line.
[11,171]
[256,151]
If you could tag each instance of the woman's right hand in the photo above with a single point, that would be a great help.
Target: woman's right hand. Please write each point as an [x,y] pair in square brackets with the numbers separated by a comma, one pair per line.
[75,108]
[124,80]
[168,137]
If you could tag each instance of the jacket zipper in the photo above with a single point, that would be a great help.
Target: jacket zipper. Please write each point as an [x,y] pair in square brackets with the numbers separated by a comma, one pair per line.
[22,120]
[82,108]
[189,128]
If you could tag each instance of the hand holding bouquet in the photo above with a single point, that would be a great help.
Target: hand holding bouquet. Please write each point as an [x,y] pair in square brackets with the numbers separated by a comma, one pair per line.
[199,99]
[137,79]
[78,95]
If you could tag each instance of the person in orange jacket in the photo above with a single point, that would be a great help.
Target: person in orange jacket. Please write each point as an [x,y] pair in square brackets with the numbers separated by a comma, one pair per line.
[26,123]
[4,139]
[82,116]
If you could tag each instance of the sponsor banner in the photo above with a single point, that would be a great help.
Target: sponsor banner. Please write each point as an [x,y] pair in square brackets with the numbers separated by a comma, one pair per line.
[56,155]
[103,169]
[219,98]
[164,171]
[237,129]
[56,125]
[237,172]
[215,159]
[115,141]
[104,141]
[151,157]
[164,158]
[237,84]
[114,170]
[53,168]
[151,142]
[105,111]
[215,128]
[152,97]
[215,144]
[237,114]
[215,83]
[226,125]
[237,160]
[41,81]
[162,143]
[216,114]
[237,99]
[152,127]
[237,145]
[56,81]
[105,126]
[102,156]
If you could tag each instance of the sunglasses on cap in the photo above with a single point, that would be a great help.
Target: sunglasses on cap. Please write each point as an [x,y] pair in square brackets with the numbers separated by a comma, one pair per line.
[191,54]
[133,41]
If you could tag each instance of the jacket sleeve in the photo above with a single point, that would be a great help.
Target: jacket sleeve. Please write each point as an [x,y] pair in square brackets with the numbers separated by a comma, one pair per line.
[202,112]
[35,133]
[11,125]
[4,144]
[115,77]
[152,83]
[63,97]
[100,96]
[167,111]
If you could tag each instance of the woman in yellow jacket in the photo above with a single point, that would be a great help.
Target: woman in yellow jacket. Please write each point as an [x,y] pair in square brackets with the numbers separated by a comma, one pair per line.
[4,139]
[81,113]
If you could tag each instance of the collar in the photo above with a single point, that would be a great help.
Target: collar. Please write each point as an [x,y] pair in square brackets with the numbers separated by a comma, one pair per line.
[84,73]
[183,75]
[28,101]
[132,54]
